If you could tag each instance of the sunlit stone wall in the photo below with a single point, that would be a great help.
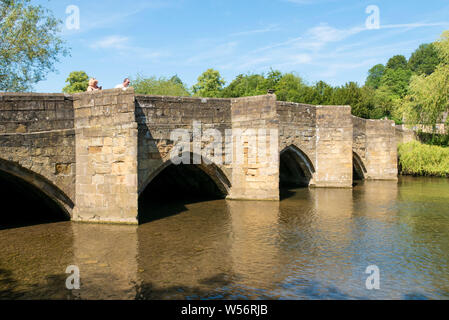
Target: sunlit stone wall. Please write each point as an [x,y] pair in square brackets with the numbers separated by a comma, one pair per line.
[375,141]
[37,142]
[106,157]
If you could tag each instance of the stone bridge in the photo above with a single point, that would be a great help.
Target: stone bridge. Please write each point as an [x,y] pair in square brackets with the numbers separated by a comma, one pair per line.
[94,154]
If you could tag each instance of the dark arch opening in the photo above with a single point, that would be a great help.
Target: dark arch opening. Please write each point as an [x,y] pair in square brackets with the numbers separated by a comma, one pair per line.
[24,204]
[295,171]
[175,186]
[358,168]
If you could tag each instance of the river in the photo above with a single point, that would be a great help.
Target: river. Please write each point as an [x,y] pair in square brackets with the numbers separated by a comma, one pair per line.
[314,244]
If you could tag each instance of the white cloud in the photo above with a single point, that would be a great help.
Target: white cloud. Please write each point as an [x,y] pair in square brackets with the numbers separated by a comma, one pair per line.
[270,28]
[111,42]
[214,52]
[307,2]
[332,69]
[120,45]
[312,48]
[414,25]
[97,17]
[324,33]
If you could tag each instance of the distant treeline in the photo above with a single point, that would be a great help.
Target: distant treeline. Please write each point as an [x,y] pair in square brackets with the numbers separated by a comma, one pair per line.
[414,89]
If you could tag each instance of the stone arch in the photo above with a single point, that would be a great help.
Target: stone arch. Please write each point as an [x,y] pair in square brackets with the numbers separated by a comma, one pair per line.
[296,168]
[212,170]
[40,183]
[359,169]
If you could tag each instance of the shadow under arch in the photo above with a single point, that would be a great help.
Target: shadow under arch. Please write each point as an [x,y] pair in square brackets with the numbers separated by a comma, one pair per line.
[359,170]
[29,186]
[170,187]
[296,169]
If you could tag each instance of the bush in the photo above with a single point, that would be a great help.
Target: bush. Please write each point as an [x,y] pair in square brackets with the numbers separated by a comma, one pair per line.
[420,159]
[159,86]
[437,139]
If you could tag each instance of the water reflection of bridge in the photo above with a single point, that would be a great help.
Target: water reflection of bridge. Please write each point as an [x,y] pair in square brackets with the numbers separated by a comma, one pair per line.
[217,248]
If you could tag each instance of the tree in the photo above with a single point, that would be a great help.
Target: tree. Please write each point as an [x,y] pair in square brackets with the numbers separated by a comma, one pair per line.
[246,85]
[424,60]
[160,86]
[374,76]
[351,94]
[177,80]
[273,78]
[320,94]
[289,87]
[428,97]
[397,62]
[210,84]
[78,81]
[396,81]
[29,45]
[442,46]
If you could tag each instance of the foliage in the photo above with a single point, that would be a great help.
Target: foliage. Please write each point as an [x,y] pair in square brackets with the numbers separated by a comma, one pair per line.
[396,82]
[159,86]
[29,46]
[433,139]
[78,81]
[289,87]
[419,159]
[428,97]
[374,76]
[442,46]
[210,84]
[397,62]
[246,85]
[424,60]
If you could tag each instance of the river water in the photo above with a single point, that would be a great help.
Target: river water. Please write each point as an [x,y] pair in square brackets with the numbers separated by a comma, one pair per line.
[314,244]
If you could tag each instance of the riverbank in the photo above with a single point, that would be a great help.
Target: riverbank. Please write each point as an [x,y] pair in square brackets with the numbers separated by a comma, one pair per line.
[419,159]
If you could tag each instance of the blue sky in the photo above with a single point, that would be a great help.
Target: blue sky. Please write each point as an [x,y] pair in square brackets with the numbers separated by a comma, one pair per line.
[318,39]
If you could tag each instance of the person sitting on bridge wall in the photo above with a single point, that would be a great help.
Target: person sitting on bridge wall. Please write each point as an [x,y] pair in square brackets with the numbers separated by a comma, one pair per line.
[123,85]
[93,85]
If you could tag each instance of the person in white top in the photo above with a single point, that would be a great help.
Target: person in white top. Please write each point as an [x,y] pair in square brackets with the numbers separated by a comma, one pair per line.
[123,85]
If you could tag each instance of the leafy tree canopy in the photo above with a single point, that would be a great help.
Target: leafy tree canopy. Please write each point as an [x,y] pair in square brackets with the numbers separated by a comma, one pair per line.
[397,62]
[442,46]
[246,85]
[375,75]
[428,98]
[288,87]
[210,84]
[396,81]
[30,44]
[424,60]
[78,81]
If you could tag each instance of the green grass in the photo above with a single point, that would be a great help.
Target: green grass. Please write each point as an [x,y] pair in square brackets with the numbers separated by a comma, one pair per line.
[420,159]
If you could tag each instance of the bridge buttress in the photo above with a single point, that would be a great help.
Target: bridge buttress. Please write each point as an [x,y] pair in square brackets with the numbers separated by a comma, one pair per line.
[334,136]
[106,157]
[256,176]
[375,142]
